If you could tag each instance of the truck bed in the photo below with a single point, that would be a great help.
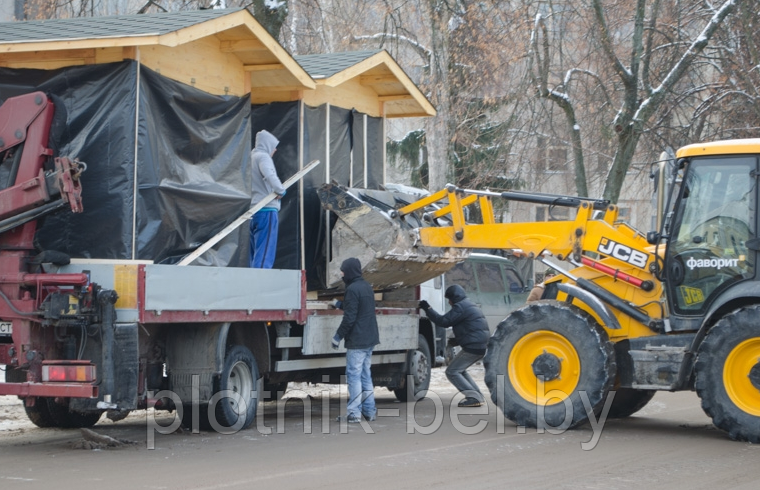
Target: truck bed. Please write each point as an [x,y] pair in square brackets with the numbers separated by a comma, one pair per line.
[156,293]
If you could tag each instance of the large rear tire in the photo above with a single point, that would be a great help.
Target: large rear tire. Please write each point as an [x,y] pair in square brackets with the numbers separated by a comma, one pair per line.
[728,374]
[39,414]
[419,364]
[236,398]
[543,359]
[47,413]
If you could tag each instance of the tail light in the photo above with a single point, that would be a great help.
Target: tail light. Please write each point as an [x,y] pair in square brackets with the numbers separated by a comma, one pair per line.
[66,371]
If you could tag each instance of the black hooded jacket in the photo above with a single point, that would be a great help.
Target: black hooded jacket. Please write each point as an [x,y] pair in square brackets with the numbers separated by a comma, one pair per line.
[466,319]
[359,325]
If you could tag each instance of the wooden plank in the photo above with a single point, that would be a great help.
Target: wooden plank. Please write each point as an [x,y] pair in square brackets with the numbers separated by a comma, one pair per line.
[245,216]
[389,98]
[129,52]
[43,65]
[63,44]
[350,95]
[242,45]
[378,79]
[199,64]
[205,29]
[265,67]
[37,56]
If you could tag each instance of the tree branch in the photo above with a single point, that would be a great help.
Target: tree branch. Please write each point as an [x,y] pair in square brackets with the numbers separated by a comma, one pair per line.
[604,34]
[650,105]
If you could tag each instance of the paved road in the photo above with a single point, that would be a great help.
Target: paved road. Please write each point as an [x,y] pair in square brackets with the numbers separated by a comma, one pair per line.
[670,444]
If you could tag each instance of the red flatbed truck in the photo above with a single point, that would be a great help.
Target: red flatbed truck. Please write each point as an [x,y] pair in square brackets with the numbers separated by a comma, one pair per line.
[79,337]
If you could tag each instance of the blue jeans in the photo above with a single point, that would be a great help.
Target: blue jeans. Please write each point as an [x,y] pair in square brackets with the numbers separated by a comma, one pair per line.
[264,225]
[457,374]
[361,396]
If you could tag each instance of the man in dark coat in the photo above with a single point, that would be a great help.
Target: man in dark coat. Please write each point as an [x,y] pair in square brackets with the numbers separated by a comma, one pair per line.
[471,333]
[359,329]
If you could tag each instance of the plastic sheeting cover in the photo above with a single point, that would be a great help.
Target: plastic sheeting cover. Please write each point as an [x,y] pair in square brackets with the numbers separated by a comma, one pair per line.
[193,175]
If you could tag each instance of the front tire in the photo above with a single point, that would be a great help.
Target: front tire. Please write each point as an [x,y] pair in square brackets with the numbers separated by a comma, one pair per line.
[541,362]
[728,374]
[419,365]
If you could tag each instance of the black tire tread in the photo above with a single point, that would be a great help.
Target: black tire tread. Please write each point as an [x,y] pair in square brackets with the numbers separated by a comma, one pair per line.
[554,316]
[401,393]
[732,329]
[628,401]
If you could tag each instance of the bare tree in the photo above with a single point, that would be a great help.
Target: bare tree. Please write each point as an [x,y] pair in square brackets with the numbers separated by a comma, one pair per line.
[650,55]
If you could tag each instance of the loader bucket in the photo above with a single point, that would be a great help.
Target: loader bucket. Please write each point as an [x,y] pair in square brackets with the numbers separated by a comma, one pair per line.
[386,247]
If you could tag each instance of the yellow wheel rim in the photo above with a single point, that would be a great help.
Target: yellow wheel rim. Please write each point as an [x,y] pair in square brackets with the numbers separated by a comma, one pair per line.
[739,387]
[524,379]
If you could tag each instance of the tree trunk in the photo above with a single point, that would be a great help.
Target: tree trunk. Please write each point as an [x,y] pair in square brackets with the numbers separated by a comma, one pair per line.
[19,7]
[438,128]
[627,141]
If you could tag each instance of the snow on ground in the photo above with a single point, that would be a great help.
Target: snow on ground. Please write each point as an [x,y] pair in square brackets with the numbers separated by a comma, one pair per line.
[13,418]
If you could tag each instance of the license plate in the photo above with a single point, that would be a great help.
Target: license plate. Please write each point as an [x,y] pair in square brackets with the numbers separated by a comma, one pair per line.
[6,328]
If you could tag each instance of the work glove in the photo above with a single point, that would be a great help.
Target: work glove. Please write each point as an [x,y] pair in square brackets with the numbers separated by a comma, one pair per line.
[424,305]
[337,304]
[335,342]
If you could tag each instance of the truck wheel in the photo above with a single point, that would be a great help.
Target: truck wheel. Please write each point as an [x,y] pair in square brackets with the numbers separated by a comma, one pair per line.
[39,414]
[67,419]
[543,360]
[238,379]
[419,365]
[728,374]
[47,413]
[628,401]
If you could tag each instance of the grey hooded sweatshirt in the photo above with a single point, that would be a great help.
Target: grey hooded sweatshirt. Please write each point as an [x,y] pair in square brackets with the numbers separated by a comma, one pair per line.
[265,178]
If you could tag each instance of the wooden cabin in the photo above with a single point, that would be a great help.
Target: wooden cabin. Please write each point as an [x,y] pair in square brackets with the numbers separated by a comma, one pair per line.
[164,108]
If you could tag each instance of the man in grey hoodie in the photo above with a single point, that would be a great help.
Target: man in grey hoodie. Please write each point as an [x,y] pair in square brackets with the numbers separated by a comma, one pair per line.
[264,224]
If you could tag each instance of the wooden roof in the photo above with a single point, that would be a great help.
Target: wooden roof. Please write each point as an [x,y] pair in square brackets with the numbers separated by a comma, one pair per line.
[220,51]
[374,71]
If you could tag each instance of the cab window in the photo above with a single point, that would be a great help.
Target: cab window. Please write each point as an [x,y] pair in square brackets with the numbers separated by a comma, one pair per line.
[514,282]
[490,278]
[462,274]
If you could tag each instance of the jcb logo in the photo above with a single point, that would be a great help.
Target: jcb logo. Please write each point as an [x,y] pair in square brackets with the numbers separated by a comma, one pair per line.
[622,252]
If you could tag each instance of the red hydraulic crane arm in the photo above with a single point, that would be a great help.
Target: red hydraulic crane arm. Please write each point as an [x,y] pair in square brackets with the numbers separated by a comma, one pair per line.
[32,190]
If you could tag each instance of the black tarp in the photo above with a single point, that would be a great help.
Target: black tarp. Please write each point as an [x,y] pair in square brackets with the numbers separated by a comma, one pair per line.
[192,163]
[100,104]
[193,170]
[315,225]
[375,153]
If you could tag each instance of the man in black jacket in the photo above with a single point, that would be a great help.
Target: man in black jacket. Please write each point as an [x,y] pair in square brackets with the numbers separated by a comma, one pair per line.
[471,333]
[359,328]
